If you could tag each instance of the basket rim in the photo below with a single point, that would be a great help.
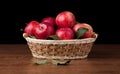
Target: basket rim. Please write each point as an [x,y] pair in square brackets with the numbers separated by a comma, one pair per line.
[85,40]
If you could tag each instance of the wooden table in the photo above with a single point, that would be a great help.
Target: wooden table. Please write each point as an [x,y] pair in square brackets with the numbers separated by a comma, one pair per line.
[103,59]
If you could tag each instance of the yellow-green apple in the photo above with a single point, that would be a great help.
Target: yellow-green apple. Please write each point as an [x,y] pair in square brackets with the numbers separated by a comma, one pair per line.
[50,20]
[84,25]
[30,27]
[65,19]
[65,33]
[43,30]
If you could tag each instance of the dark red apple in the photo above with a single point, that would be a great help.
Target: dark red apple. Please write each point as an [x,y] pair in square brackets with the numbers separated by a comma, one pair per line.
[84,25]
[50,20]
[65,33]
[65,19]
[43,31]
[30,27]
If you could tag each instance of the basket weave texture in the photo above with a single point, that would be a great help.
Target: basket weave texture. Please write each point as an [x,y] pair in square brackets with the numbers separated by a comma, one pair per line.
[61,49]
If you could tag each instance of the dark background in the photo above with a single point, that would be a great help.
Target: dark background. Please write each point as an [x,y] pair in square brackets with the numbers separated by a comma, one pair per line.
[102,16]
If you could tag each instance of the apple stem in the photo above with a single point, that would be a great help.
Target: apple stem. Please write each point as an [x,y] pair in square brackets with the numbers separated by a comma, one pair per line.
[42,27]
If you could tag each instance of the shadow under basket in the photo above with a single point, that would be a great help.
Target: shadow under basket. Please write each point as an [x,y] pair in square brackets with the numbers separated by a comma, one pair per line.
[60,49]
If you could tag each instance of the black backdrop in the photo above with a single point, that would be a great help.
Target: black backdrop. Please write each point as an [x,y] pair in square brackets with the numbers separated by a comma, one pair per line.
[102,16]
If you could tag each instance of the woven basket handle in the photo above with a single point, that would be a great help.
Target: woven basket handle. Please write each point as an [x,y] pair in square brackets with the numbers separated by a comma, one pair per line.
[25,35]
[94,35]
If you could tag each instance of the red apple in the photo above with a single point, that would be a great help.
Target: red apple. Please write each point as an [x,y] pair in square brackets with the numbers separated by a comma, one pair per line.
[50,20]
[65,19]
[84,25]
[65,33]
[43,31]
[30,27]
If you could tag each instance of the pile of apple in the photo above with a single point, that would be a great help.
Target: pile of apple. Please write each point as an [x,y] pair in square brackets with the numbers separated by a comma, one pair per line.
[64,27]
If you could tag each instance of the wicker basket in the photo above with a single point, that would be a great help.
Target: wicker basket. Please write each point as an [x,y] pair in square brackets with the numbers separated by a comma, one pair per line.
[60,49]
